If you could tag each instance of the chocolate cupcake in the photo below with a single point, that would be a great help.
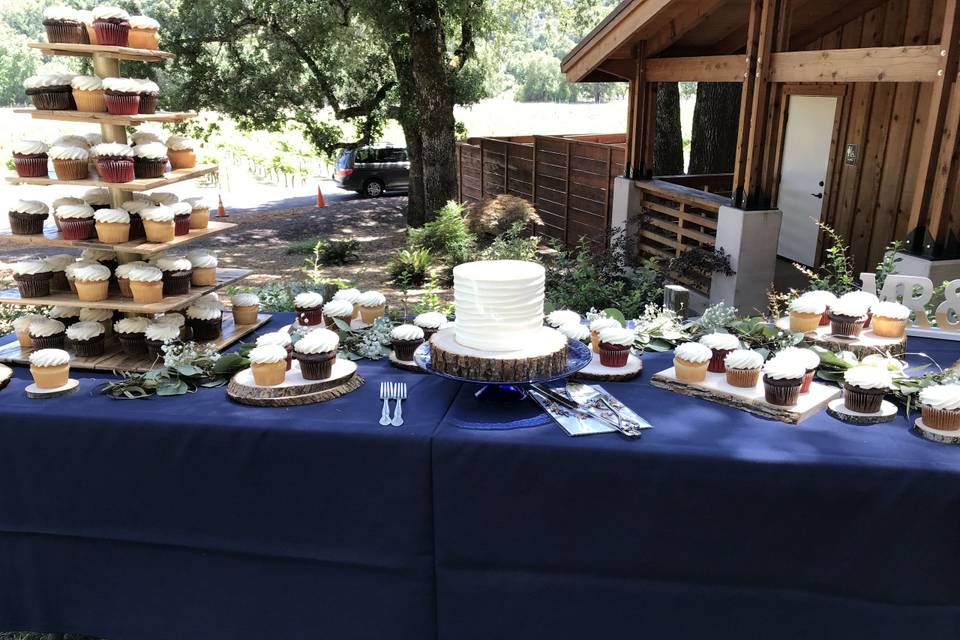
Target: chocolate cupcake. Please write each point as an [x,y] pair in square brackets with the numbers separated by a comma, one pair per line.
[405,339]
[337,310]
[781,382]
[112,26]
[30,158]
[63,24]
[69,316]
[615,344]
[87,339]
[150,160]
[205,322]
[720,344]
[134,207]
[33,278]
[130,333]
[114,162]
[864,387]
[76,221]
[157,335]
[47,333]
[58,264]
[309,308]
[847,318]
[149,95]
[122,96]
[27,216]
[431,322]
[316,352]
[51,92]
[176,275]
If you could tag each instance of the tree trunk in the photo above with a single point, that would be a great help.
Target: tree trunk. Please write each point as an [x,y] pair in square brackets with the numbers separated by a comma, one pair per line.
[713,144]
[406,115]
[668,142]
[434,100]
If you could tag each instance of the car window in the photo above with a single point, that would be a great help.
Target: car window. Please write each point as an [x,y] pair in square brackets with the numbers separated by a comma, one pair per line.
[393,155]
[366,154]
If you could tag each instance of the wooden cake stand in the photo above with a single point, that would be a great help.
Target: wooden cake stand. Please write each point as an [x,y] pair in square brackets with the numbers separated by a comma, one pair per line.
[406,365]
[546,356]
[867,343]
[600,373]
[295,390]
[935,435]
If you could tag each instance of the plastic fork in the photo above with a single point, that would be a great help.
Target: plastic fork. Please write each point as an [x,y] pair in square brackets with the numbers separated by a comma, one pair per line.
[399,394]
[385,396]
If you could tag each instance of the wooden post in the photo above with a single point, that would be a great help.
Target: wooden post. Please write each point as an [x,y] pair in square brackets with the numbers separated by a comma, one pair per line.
[566,200]
[634,165]
[460,172]
[506,167]
[483,191]
[608,221]
[534,176]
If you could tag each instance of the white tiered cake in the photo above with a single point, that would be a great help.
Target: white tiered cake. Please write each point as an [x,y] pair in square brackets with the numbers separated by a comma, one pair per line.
[499,333]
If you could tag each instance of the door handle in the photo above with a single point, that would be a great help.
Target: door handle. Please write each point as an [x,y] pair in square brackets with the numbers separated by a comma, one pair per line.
[817,195]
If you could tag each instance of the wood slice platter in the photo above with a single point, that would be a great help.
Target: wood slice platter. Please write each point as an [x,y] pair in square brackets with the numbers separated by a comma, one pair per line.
[38,393]
[887,413]
[867,343]
[6,374]
[715,389]
[935,435]
[295,390]
[406,365]
[546,356]
[596,371]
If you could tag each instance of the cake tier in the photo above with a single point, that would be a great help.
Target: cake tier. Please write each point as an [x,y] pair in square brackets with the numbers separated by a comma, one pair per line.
[499,304]
[544,355]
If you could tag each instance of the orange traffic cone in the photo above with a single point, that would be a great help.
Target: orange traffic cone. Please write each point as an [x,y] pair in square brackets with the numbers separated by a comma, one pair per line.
[320,202]
[221,212]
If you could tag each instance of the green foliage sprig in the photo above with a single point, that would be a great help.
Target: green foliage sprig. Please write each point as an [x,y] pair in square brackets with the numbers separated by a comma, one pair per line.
[371,342]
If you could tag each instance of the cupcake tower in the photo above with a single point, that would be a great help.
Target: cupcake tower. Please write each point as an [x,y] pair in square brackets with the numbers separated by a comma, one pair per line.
[128,293]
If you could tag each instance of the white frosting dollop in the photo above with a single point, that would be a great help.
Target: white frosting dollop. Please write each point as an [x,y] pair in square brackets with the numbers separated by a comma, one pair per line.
[371,299]
[826,297]
[807,358]
[97,196]
[867,377]
[49,358]
[113,149]
[603,322]
[59,261]
[161,332]
[430,320]
[74,211]
[123,271]
[136,206]
[29,147]
[144,273]
[95,315]
[561,317]
[112,216]
[92,273]
[150,150]
[317,341]
[576,331]
[59,202]
[860,297]
[86,83]
[267,354]
[48,80]
[209,300]
[60,311]
[891,309]
[617,335]
[85,330]
[245,300]
[46,327]
[176,319]
[33,207]
[144,22]
[743,359]
[720,341]
[350,295]
[945,397]
[181,208]
[148,86]
[693,352]
[784,369]
[71,141]
[851,308]
[143,137]
[338,309]
[173,263]
[179,143]
[805,304]
[22,323]
[281,338]
[68,153]
[93,139]
[308,300]
[59,12]
[30,267]
[164,198]
[158,213]
[203,260]
[202,312]
[131,325]
[406,332]
[108,12]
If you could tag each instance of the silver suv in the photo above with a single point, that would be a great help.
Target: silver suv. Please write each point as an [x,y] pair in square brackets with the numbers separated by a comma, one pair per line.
[373,170]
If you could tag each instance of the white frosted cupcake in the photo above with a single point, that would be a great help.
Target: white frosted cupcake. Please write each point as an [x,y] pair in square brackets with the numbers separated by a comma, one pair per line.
[720,344]
[615,344]
[27,217]
[690,361]
[352,296]
[743,368]
[430,322]
[205,322]
[21,326]
[782,378]
[146,284]
[245,307]
[279,338]
[92,282]
[112,225]
[889,319]
[87,338]
[309,308]
[576,331]
[103,316]
[204,269]
[50,368]
[316,353]
[337,309]
[940,406]
[560,317]
[596,325]
[864,387]
[405,340]
[372,305]
[269,364]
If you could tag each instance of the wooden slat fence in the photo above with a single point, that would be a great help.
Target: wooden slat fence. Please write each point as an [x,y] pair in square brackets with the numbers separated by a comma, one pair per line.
[719,183]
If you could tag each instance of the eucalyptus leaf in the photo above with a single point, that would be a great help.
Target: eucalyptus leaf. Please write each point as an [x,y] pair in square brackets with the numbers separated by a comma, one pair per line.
[617,315]
[229,362]
[343,326]
[658,345]
[173,388]
[188,370]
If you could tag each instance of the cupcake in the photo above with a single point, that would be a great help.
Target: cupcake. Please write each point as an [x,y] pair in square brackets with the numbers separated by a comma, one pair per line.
[70,269]
[143,33]
[720,344]
[122,96]
[337,310]
[30,158]
[92,283]
[596,325]
[59,202]
[372,305]
[615,344]
[112,26]
[743,368]
[806,358]
[113,225]
[156,335]
[143,136]
[847,318]
[145,283]
[76,221]
[98,198]
[268,364]
[130,333]
[890,319]
[47,333]
[33,278]
[158,225]
[209,300]
[353,297]
[782,378]
[87,339]
[178,320]
[405,340]
[560,317]
[103,316]
[103,256]
[134,207]
[940,406]
[58,264]
[27,216]
[88,94]
[149,95]
[114,162]
[430,322]
[862,298]
[164,198]
[149,160]
[51,92]
[199,213]
[316,353]
[863,388]
[177,272]
[309,308]
[806,313]
[181,218]
[245,308]
[690,361]
[70,163]
[204,272]
[181,153]
[21,327]
[576,331]
[50,368]
[71,140]
[63,25]
[827,298]
[279,338]
[86,17]
[67,315]
[205,322]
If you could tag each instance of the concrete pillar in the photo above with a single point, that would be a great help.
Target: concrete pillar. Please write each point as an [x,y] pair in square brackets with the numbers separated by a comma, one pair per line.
[626,204]
[750,238]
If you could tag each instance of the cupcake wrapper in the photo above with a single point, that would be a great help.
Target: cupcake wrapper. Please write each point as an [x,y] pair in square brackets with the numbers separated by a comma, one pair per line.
[289,349]
[148,103]
[136,227]
[268,374]
[35,285]
[25,224]
[428,333]
[133,344]
[124,285]
[71,169]
[116,170]
[316,366]
[889,327]
[203,277]
[807,380]
[143,39]
[181,225]
[64,32]
[158,231]
[56,341]
[205,330]
[404,349]
[89,348]
[944,419]
[31,167]
[846,328]
[200,218]
[77,228]
[124,105]
[154,348]
[93,291]
[112,233]
[54,101]
[689,371]
[743,378]
[613,356]
[310,317]
[182,159]
[245,315]
[92,101]
[112,34]
[783,393]
[862,400]
[59,281]
[825,318]
[176,283]
[718,361]
[802,323]
[149,167]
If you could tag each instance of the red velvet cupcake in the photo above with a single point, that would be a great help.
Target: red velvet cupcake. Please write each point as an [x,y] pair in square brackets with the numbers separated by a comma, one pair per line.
[76,221]
[309,308]
[30,158]
[122,96]
[114,162]
[615,344]
[112,26]
[149,96]
[720,344]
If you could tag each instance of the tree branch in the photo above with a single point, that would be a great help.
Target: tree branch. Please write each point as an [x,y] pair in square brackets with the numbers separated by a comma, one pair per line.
[467,46]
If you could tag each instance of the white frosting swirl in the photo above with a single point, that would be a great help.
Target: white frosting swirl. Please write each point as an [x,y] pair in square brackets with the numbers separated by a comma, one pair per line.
[826,297]
[48,80]
[29,147]
[85,330]
[561,317]
[71,268]
[945,397]
[144,273]
[59,261]
[151,150]
[350,295]
[338,309]
[71,141]
[851,308]
[148,86]
[371,299]
[891,309]
[33,207]
[181,208]
[68,153]
[176,319]
[317,341]
[743,359]
[59,12]
[113,149]
[86,83]
[61,311]
[784,369]
[49,358]
[202,312]
[179,143]
[693,352]
[93,139]
[245,300]
[107,12]
[174,263]
[576,331]
[430,320]
[164,198]
[617,335]
[86,16]
[72,211]
[112,216]
[196,202]
[46,327]
[143,137]
[97,255]
[807,358]
[59,202]
[121,85]
[21,324]
[203,261]
[860,297]
[209,300]
[158,213]
[805,304]
[30,267]
[161,332]
[406,332]
[131,325]
[97,196]
[144,22]
[308,300]
[867,377]
[95,315]
[720,341]
[136,206]
[281,338]
[92,273]
[267,354]
[603,322]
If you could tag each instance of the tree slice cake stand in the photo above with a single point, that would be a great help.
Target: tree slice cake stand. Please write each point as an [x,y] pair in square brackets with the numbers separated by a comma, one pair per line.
[295,390]
[598,372]
[39,393]
[887,413]
[935,435]
[6,373]
[868,342]
[546,356]
[406,365]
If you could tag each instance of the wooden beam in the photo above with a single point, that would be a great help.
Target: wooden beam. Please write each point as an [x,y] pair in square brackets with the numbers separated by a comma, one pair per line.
[876,64]
[696,69]
[847,12]
[689,15]
[650,130]
[745,123]
[621,68]
[635,113]
[927,211]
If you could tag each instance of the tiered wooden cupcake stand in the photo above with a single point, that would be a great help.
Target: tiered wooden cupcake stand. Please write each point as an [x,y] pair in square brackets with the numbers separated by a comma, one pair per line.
[106,63]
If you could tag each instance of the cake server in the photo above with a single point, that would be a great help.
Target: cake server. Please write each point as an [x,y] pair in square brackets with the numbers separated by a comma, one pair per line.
[592,395]
[573,421]
[582,410]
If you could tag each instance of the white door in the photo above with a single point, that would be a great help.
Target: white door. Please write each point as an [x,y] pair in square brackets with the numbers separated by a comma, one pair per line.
[806,152]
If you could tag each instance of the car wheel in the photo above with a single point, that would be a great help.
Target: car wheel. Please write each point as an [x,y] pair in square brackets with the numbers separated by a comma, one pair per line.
[373,189]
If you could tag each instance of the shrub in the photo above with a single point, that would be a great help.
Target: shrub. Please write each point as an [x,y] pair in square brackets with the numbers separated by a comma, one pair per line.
[446,236]
[513,244]
[326,252]
[410,266]
[500,214]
